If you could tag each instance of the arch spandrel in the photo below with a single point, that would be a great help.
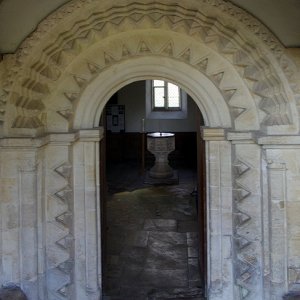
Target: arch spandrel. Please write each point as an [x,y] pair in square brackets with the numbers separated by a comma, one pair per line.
[47,54]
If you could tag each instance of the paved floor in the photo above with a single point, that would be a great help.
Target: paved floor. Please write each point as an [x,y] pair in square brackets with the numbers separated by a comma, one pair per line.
[152,241]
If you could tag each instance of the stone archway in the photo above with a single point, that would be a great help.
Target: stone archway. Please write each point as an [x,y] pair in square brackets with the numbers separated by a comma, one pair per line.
[56,87]
[74,53]
[206,93]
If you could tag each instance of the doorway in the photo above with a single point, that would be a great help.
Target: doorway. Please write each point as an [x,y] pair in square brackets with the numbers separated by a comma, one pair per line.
[153,236]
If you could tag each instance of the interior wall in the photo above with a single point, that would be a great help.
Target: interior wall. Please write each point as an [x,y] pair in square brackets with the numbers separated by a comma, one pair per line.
[133,97]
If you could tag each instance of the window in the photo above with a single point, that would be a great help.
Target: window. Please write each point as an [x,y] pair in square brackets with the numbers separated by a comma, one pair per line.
[165,100]
[165,95]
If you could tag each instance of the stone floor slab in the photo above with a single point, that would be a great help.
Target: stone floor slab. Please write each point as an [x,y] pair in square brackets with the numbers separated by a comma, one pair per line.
[152,244]
[160,225]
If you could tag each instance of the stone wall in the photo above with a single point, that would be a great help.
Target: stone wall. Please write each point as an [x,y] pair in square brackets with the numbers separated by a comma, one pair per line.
[19,218]
[52,94]
[50,229]
[284,226]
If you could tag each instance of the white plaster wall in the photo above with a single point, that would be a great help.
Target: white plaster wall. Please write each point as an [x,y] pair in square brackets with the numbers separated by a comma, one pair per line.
[133,97]
[22,17]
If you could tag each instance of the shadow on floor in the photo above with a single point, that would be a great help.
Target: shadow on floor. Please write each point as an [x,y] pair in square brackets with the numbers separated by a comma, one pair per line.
[152,238]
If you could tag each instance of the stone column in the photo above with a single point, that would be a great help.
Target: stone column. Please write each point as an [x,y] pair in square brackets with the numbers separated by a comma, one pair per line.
[18,215]
[247,215]
[282,223]
[55,217]
[219,215]
[87,231]
[277,229]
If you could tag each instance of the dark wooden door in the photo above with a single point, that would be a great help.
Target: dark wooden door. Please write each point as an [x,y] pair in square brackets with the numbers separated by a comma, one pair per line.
[103,191]
[201,188]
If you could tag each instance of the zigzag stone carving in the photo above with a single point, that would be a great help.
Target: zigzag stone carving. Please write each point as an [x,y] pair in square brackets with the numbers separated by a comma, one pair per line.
[65,221]
[64,194]
[64,170]
[56,55]
[245,268]
[185,55]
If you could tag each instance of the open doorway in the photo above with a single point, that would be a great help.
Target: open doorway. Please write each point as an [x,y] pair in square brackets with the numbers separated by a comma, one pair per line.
[153,234]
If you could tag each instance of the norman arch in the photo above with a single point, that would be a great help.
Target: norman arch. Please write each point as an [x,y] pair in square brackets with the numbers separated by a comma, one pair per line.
[207,96]
[56,55]
[55,90]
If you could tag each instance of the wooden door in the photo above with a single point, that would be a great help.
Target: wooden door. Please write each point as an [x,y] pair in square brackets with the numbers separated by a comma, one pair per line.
[201,187]
[103,191]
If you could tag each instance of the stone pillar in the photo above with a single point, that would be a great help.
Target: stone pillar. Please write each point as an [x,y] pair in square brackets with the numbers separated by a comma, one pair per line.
[219,215]
[247,215]
[277,229]
[18,215]
[282,222]
[55,217]
[50,225]
[87,231]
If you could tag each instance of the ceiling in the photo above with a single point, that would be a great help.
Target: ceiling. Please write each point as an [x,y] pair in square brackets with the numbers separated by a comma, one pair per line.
[18,18]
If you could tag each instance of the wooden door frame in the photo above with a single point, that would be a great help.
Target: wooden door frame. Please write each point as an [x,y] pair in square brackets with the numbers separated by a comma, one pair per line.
[103,192]
[201,202]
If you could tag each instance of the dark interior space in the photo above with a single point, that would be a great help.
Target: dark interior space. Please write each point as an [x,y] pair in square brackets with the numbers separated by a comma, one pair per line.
[124,158]
[150,231]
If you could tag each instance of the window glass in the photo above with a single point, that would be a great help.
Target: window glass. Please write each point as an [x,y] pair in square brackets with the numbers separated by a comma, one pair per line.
[158,83]
[165,100]
[159,97]
[166,95]
[173,96]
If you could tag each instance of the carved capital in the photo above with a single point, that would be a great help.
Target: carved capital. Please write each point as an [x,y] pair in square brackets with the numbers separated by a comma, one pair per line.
[90,135]
[213,134]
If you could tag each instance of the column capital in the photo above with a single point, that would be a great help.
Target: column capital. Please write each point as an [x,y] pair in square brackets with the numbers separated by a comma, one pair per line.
[213,134]
[90,135]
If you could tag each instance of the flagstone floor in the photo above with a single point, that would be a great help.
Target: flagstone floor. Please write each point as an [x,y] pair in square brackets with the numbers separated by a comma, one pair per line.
[151,240]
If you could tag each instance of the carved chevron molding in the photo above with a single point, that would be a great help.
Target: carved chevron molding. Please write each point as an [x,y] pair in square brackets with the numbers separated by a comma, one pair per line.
[142,48]
[38,77]
[64,219]
[246,264]
[252,24]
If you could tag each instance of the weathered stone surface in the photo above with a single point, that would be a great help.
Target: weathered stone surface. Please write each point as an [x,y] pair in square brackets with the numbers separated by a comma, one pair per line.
[152,262]
[12,292]
[188,226]
[160,225]
[58,82]
[292,296]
